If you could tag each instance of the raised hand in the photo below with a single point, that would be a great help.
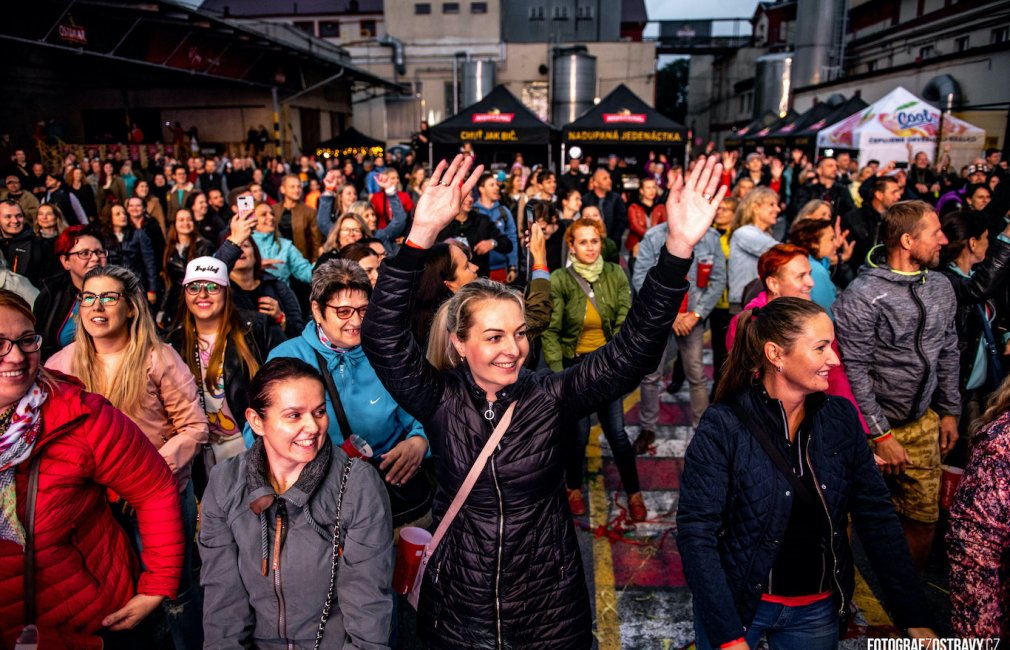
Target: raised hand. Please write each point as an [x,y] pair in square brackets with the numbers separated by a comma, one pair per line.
[777,168]
[385,181]
[538,245]
[333,178]
[692,205]
[440,202]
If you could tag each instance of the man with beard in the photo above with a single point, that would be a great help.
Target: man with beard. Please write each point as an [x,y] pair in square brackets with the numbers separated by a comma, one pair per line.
[863,223]
[895,326]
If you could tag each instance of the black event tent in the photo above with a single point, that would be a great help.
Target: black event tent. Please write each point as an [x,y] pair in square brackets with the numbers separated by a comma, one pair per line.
[734,141]
[623,123]
[807,138]
[348,143]
[498,127]
[763,135]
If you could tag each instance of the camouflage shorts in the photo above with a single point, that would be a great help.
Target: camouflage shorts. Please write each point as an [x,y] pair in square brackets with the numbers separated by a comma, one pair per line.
[916,493]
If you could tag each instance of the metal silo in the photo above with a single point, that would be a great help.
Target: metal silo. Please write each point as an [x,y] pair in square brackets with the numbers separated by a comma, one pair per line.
[772,84]
[573,88]
[477,79]
[820,41]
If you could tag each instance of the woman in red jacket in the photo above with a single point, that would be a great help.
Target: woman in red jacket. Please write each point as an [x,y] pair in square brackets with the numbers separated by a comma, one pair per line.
[84,575]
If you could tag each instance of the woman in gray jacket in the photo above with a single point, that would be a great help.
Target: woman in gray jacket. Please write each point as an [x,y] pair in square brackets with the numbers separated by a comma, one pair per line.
[272,575]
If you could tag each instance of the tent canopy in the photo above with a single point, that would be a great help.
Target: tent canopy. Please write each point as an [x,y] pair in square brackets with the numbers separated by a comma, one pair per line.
[736,138]
[885,129]
[622,118]
[350,142]
[808,134]
[497,119]
[766,132]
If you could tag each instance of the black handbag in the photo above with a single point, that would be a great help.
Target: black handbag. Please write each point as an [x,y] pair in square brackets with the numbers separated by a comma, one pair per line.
[408,501]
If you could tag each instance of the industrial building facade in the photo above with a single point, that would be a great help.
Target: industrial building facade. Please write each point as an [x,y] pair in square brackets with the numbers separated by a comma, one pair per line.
[449,54]
[807,51]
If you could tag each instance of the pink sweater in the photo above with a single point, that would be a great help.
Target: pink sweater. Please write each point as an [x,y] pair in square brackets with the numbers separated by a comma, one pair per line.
[838,381]
[170,414]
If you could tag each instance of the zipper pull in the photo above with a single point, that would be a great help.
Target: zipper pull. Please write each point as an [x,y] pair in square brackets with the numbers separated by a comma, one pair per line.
[489,413]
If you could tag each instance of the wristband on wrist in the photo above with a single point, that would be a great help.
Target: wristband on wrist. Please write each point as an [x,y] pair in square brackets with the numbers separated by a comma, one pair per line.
[884,436]
[733,642]
[407,242]
[540,267]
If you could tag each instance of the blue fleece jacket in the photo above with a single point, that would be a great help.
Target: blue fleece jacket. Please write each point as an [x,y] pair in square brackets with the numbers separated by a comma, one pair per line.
[371,411]
[292,262]
[507,224]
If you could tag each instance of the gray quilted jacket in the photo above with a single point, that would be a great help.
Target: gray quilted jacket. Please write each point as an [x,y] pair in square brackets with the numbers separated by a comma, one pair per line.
[898,342]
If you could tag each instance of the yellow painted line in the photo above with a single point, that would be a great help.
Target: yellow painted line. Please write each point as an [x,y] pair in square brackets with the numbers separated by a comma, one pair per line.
[868,604]
[608,621]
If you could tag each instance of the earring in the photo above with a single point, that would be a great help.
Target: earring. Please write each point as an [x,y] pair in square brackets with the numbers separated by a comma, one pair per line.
[779,367]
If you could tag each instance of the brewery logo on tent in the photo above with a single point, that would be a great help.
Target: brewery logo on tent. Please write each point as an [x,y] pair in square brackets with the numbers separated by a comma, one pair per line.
[624,116]
[494,115]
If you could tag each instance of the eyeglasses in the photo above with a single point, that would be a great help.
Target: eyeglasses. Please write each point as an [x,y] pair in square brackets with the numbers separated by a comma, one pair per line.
[28,343]
[107,298]
[344,312]
[194,288]
[85,255]
[350,231]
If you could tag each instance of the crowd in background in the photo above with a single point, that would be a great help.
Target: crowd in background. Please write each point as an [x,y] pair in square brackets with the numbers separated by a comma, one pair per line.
[219,305]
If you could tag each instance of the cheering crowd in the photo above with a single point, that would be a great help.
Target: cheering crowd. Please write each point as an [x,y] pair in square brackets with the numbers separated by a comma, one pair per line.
[226,385]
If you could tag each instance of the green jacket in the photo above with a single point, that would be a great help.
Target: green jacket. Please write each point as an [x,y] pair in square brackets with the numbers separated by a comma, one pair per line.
[613,298]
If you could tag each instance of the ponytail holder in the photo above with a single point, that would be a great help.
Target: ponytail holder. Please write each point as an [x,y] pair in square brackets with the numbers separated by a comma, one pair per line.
[755,312]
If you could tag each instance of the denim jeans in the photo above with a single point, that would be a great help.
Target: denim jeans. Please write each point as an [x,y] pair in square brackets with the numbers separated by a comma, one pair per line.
[811,627]
[576,433]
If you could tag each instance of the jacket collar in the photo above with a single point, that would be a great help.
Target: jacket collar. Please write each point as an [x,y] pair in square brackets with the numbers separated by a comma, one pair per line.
[66,404]
[353,355]
[257,480]
[876,262]
[769,410]
[504,397]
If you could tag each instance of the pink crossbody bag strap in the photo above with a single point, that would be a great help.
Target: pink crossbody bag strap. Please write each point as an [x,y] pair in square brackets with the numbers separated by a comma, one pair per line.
[461,495]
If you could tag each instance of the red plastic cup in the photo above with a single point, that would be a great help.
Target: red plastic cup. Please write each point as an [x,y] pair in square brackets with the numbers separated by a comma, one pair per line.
[356,447]
[408,557]
[950,478]
[704,272]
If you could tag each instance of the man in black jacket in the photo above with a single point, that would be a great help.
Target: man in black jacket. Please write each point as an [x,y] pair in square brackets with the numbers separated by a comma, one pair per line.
[863,223]
[825,187]
[478,232]
[612,207]
[19,245]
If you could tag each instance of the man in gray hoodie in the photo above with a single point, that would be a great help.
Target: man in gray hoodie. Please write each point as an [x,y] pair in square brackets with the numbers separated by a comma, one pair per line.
[895,326]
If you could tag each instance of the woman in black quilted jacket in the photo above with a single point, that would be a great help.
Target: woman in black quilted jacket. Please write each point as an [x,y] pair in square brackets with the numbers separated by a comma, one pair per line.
[771,476]
[508,572]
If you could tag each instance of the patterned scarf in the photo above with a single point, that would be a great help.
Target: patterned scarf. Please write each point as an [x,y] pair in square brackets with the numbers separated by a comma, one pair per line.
[591,272]
[16,444]
[325,340]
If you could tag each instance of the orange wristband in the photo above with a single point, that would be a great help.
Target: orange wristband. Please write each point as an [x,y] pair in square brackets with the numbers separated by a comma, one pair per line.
[540,267]
[886,436]
[413,245]
[733,642]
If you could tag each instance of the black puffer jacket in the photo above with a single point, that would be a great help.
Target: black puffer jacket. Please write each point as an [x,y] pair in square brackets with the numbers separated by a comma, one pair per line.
[973,295]
[261,335]
[508,573]
[735,505]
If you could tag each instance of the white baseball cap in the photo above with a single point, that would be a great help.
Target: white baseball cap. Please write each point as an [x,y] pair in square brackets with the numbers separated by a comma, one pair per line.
[208,269]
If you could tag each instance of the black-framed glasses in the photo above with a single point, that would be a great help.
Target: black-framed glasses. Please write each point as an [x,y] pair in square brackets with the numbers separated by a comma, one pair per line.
[86,254]
[344,312]
[27,344]
[194,288]
[107,298]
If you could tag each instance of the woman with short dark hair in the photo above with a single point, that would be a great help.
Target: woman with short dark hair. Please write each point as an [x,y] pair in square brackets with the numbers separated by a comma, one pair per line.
[295,537]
